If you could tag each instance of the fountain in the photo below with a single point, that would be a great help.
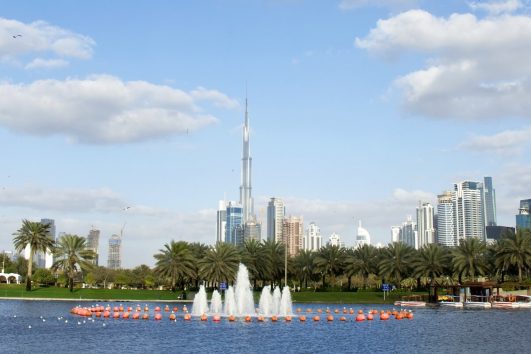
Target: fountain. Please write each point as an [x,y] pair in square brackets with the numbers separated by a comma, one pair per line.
[239,300]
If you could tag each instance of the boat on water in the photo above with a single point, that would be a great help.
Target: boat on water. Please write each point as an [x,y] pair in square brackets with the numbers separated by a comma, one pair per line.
[477,302]
[450,301]
[410,303]
[504,302]
[523,301]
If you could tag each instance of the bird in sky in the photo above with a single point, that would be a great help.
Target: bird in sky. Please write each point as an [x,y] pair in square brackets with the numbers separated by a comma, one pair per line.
[17,35]
[126,208]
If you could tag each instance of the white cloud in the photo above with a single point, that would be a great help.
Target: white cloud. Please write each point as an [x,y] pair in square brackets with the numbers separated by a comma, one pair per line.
[506,143]
[104,109]
[393,4]
[18,39]
[39,63]
[478,68]
[497,7]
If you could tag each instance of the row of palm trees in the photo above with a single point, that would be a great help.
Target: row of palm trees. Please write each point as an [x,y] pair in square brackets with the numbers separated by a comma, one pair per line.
[70,252]
[185,264]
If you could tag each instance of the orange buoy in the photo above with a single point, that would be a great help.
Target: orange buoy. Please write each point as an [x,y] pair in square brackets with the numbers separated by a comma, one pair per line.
[108,308]
[157,309]
[360,317]
[232,318]
[351,311]
[319,311]
[399,316]
[145,316]
[125,315]
[116,309]
[342,318]
[370,317]
[175,309]
[187,317]
[106,314]
[409,315]
[316,318]
[116,315]
[360,312]
[336,311]
[121,308]
[98,314]
[299,310]
[309,310]
[204,317]
[287,318]
[158,317]
[302,318]
[344,310]
[185,309]
[327,310]
[248,318]
[216,318]
[260,318]
[329,318]
[146,309]
[136,316]
[384,316]
[274,318]
[172,317]
[167,309]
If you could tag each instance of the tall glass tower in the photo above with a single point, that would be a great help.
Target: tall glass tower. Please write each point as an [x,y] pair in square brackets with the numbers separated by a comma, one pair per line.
[489,202]
[246,199]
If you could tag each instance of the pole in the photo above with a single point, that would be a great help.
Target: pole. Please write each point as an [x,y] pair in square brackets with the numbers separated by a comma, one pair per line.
[285,264]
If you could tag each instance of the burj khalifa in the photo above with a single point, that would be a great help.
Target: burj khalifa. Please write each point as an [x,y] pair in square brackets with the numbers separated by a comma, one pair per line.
[246,200]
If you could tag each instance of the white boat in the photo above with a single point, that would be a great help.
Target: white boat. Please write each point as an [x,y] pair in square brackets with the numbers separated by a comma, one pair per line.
[504,302]
[451,304]
[523,301]
[477,304]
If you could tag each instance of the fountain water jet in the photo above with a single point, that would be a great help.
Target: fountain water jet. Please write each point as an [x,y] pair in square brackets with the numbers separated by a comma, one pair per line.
[216,306]
[266,301]
[200,305]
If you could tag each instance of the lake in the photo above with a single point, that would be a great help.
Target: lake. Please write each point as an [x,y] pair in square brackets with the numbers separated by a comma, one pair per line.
[433,330]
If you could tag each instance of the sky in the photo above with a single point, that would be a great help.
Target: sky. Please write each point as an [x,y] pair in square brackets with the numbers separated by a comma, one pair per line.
[127,116]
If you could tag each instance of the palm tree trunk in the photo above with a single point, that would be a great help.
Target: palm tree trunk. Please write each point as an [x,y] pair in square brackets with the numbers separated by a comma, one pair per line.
[71,284]
[28,276]
[520,274]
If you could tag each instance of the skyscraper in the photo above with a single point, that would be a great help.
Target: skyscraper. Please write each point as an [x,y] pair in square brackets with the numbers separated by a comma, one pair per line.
[114,260]
[523,219]
[445,220]
[363,237]
[312,239]
[275,216]
[292,233]
[221,221]
[489,202]
[425,229]
[93,244]
[469,220]
[246,199]
[408,233]
[234,225]
[335,240]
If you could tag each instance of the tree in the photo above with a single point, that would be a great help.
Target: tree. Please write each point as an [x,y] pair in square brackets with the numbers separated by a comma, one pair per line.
[71,256]
[175,262]
[255,258]
[142,276]
[274,252]
[469,258]
[220,263]
[329,260]
[36,236]
[43,276]
[432,262]
[395,263]
[366,257]
[515,250]
[198,251]
[304,266]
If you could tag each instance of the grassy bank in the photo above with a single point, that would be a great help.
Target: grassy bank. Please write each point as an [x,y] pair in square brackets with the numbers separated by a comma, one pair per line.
[18,291]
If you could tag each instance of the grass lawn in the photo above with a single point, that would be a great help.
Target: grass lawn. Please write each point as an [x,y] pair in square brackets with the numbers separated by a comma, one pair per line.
[339,297]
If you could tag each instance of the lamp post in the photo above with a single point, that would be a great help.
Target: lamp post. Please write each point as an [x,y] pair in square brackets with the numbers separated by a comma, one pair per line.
[4,260]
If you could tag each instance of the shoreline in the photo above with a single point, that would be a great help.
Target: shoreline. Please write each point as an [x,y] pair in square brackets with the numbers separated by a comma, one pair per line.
[90,300]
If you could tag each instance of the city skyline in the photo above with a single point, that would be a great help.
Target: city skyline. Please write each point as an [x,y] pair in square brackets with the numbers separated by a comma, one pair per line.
[110,120]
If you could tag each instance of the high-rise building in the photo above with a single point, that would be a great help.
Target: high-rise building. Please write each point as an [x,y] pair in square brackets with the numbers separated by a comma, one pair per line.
[425,227]
[114,260]
[221,224]
[489,202]
[363,237]
[408,233]
[445,220]
[93,244]
[335,240]
[292,233]
[523,219]
[312,238]
[395,233]
[469,220]
[275,216]
[252,230]
[246,199]
[234,224]
[45,259]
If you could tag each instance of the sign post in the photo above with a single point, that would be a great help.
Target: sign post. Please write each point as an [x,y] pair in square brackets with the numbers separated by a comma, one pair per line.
[385,288]
[222,286]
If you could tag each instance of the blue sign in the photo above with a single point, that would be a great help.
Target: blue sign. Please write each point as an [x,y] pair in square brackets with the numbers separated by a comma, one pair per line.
[223,286]
[386,287]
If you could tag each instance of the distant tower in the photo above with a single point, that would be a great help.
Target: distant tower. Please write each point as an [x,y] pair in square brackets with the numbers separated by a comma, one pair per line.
[425,228]
[93,244]
[312,239]
[275,216]
[245,188]
[335,240]
[489,202]
[445,220]
[292,233]
[469,221]
[114,260]
[233,225]
[408,233]
[362,237]
[221,221]
[523,219]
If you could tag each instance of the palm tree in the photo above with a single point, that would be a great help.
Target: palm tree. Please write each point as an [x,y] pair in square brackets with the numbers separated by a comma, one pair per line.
[351,266]
[275,257]
[72,255]
[220,263]
[469,258]
[304,266]
[198,251]
[255,258]
[36,236]
[432,262]
[330,260]
[175,263]
[366,255]
[395,263]
[515,250]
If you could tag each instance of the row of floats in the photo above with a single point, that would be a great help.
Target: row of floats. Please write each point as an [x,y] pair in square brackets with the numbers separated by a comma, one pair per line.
[139,313]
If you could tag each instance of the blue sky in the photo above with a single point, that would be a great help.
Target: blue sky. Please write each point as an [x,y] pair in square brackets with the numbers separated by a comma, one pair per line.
[358,110]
